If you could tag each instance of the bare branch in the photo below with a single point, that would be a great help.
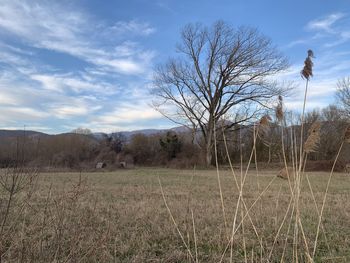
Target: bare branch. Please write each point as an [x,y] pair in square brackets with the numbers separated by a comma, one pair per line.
[219,70]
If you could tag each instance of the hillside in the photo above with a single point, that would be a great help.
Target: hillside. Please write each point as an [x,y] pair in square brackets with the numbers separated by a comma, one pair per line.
[20,133]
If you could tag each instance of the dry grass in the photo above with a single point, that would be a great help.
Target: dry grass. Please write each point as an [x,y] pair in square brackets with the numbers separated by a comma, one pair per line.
[121,217]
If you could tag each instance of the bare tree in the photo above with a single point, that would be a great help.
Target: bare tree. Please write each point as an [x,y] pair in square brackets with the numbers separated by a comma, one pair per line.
[343,94]
[221,71]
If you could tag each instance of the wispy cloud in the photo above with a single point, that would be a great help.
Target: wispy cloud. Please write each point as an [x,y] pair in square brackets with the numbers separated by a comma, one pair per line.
[131,27]
[67,110]
[325,23]
[324,35]
[129,115]
[53,27]
[68,82]
[328,31]
[34,89]
[15,113]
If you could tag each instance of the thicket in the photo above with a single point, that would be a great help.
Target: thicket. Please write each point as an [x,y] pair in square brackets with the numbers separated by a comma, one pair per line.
[181,150]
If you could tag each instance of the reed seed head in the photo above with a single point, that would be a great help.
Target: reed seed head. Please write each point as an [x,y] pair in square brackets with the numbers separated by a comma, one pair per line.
[308,64]
[265,120]
[314,138]
[310,53]
[279,109]
[264,124]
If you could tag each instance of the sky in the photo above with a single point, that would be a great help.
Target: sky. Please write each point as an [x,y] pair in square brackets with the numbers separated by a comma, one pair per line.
[89,63]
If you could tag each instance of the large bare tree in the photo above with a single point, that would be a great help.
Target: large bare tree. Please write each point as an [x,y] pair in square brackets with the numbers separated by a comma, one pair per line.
[343,94]
[221,71]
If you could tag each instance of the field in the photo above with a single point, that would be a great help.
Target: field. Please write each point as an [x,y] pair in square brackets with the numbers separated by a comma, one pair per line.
[121,217]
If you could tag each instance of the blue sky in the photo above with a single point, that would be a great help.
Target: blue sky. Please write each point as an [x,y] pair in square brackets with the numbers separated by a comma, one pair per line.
[68,64]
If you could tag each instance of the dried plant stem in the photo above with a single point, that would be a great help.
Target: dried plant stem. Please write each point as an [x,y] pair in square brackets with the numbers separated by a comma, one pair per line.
[299,219]
[194,237]
[238,201]
[256,162]
[316,206]
[258,198]
[280,227]
[256,167]
[219,183]
[285,162]
[234,230]
[243,238]
[305,241]
[173,220]
[277,203]
[239,189]
[229,161]
[298,173]
[230,243]
[302,125]
[261,254]
[189,196]
[295,240]
[325,197]
[286,240]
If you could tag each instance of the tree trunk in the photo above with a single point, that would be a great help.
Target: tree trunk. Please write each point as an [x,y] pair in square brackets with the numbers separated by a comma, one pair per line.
[209,144]
[208,156]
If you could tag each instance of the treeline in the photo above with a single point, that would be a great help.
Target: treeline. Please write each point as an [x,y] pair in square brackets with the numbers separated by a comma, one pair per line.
[182,149]
[74,150]
[64,150]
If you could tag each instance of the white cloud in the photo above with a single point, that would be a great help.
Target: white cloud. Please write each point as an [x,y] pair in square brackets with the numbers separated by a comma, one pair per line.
[66,110]
[310,105]
[121,65]
[21,113]
[69,107]
[64,82]
[330,64]
[328,31]
[12,59]
[48,82]
[34,90]
[325,23]
[129,114]
[133,26]
[329,67]
[53,101]
[52,26]
[7,99]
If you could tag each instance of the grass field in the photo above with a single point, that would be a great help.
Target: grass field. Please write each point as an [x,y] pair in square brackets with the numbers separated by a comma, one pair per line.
[121,217]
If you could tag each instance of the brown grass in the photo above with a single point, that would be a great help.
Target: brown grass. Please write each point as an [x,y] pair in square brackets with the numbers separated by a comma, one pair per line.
[121,217]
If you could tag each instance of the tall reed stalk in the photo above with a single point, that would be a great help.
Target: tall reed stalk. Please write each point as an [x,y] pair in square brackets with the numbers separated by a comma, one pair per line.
[294,162]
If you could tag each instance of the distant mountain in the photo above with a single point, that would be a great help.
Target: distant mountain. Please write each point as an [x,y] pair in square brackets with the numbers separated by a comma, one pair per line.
[147,132]
[98,135]
[129,134]
[95,135]
[180,129]
[19,133]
